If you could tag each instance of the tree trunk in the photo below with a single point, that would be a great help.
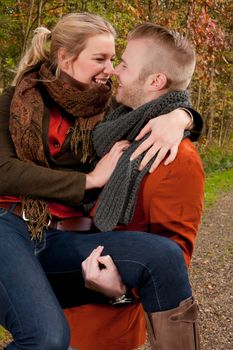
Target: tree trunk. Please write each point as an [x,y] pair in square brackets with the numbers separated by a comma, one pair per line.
[28,26]
[199,96]
[211,107]
[40,5]
[84,5]
[220,139]
[150,10]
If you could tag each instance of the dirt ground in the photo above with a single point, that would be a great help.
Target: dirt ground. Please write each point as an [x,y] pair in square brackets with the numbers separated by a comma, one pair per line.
[211,275]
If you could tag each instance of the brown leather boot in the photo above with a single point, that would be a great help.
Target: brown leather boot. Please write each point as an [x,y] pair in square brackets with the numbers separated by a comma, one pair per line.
[174,329]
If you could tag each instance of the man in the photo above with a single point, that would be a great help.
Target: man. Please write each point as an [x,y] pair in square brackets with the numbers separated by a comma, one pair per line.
[169,203]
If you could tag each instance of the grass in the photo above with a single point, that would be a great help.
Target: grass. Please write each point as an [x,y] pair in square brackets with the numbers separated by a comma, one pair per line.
[216,184]
[2,333]
[4,337]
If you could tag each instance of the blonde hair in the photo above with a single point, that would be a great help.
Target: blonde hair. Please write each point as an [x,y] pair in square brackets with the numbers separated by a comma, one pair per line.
[71,32]
[169,52]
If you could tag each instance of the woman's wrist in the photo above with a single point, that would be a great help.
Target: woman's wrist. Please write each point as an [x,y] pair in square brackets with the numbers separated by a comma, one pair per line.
[187,118]
[91,181]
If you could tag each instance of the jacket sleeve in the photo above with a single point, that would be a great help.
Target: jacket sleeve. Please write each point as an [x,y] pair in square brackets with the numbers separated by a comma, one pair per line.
[198,125]
[177,201]
[21,179]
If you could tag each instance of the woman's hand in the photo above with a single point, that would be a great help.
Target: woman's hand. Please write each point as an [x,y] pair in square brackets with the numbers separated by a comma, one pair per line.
[166,133]
[105,167]
[100,274]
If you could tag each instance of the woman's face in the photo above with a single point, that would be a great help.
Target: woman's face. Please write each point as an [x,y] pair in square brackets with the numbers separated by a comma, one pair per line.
[94,63]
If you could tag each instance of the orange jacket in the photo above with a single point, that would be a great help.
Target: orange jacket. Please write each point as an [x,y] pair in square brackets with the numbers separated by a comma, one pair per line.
[170,203]
[170,200]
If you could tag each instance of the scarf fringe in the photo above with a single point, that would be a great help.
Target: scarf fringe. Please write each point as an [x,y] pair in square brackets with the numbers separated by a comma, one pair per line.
[37,216]
[82,137]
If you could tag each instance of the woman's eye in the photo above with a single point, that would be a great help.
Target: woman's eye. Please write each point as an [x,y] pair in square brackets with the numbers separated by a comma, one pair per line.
[99,59]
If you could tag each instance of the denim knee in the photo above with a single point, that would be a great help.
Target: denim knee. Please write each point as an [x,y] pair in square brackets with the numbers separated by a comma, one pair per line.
[59,340]
[175,253]
[168,253]
[55,337]
[165,280]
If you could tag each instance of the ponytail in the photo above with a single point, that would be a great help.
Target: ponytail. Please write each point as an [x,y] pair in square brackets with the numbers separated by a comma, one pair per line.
[38,52]
[71,32]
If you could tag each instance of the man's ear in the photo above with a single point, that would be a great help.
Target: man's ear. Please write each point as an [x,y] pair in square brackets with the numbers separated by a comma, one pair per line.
[158,81]
[62,57]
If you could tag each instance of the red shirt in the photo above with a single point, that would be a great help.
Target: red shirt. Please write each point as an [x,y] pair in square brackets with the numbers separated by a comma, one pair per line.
[58,129]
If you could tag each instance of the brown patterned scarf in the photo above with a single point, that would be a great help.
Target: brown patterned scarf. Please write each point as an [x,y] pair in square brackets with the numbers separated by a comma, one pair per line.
[86,105]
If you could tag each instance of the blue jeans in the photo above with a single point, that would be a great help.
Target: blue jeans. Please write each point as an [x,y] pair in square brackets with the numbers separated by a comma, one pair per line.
[28,306]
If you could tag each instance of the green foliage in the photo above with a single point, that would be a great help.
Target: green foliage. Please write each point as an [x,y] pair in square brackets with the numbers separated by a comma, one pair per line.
[4,336]
[2,333]
[217,158]
[218,165]
[207,22]
[217,183]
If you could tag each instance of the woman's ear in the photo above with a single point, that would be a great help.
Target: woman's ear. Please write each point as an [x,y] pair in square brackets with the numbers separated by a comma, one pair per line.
[63,61]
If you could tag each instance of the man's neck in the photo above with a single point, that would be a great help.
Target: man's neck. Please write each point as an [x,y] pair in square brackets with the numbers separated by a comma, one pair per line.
[151,96]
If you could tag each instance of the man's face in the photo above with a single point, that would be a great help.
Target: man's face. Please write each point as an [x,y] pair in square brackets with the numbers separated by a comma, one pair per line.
[131,90]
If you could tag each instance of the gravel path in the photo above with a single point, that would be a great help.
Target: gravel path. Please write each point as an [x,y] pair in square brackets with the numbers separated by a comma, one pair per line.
[211,275]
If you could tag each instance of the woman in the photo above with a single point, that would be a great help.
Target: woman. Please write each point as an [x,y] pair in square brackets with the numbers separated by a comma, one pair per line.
[61,92]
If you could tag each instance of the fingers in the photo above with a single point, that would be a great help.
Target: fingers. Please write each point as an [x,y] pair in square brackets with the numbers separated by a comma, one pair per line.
[105,280]
[107,261]
[116,152]
[160,156]
[95,256]
[148,156]
[143,132]
[105,166]
[91,262]
[153,149]
[145,145]
[119,147]
[96,252]
[161,139]
[172,155]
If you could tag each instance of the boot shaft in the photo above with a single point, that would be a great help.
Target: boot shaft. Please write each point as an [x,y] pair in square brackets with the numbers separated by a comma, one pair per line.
[175,329]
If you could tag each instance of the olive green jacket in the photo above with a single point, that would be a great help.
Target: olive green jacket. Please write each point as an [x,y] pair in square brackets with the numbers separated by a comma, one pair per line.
[65,179]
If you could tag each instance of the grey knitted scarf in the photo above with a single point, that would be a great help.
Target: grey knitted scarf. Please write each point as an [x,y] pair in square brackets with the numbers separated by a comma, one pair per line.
[117,200]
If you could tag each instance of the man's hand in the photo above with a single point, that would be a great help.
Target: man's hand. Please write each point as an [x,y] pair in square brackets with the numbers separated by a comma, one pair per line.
[166,133]
[100,274]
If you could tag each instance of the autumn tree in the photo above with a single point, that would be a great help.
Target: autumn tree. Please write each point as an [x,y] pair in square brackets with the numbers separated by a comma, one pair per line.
[208,23]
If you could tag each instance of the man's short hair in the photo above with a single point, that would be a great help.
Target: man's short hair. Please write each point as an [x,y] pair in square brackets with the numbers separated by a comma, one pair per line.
[169,52]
